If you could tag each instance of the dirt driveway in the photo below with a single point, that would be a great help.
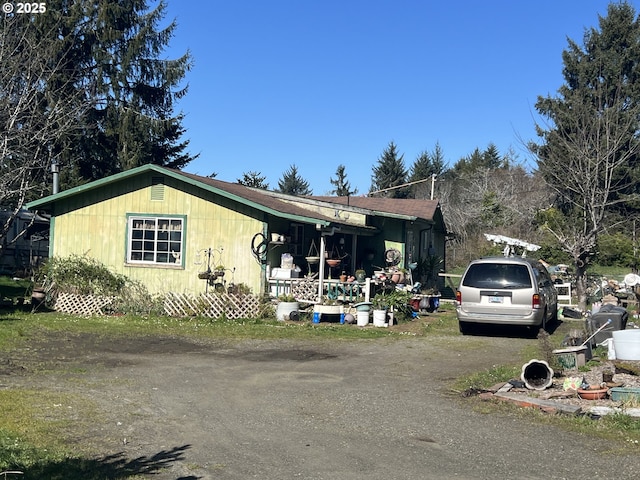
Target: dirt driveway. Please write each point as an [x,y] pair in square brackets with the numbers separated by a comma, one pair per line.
[175,409]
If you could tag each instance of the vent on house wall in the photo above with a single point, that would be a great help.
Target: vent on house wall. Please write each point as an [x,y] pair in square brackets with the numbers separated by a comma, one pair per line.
[157,188]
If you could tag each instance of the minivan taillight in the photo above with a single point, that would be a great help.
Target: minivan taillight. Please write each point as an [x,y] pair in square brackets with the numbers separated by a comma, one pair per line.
[458,297]
[535,302]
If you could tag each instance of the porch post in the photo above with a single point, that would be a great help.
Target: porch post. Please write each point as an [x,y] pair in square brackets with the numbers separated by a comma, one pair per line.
[321,268]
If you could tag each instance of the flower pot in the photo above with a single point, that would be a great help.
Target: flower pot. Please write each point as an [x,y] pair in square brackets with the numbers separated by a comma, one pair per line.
[537,374]
[361,276]
[37,296]
[592,393]
[203,275]
[332,262]
[380,318]
[285,309]
[397,277]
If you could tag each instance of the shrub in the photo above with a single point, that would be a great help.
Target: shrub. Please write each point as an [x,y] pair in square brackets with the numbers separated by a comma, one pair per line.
[83,275]
[79,274]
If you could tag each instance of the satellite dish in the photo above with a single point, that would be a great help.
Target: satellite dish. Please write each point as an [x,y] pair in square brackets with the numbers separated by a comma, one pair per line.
[631,280]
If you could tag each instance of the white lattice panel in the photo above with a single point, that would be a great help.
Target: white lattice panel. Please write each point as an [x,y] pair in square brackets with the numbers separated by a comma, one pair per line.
[85,305]
[212,305]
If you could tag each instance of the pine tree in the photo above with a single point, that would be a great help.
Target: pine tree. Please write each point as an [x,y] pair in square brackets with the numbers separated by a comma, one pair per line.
[253,179]
[111,51]
[388,173]
[343,187]
[293,184]
[424,167]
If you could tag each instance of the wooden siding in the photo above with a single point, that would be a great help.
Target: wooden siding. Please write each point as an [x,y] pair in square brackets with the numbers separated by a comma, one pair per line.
[96,225]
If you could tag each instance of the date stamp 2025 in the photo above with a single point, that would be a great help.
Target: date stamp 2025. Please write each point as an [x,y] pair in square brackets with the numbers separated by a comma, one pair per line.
[24,7]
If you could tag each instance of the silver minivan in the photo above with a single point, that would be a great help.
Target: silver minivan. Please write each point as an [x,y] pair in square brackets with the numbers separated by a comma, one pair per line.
[508,291]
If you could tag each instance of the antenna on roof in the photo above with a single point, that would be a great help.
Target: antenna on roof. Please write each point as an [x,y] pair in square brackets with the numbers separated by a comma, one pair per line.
[432,178]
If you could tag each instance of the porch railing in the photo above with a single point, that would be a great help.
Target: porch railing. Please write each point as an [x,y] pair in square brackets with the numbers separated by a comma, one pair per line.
[306,290]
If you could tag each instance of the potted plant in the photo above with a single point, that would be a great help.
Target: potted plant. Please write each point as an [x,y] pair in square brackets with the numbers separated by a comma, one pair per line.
[219,271]
[380,304]
[398,275]
[361,275]
[287,304]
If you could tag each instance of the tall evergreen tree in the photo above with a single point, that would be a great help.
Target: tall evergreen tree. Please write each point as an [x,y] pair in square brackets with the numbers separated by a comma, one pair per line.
[342,186]
[488,159]
[111,51]
[292,183]
[253,179]
[390,172]
[424,167]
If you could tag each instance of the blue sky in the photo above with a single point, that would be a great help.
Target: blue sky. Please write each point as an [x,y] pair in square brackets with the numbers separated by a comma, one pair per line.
[323,83]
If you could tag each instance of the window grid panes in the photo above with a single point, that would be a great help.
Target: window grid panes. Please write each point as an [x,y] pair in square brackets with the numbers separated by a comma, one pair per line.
[155,240]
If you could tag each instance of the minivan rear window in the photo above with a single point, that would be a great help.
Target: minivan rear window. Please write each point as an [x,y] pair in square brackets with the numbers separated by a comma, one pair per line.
[497,275]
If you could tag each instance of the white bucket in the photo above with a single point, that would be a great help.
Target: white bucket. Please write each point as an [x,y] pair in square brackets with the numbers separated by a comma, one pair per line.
[626,344]
[362,319]
[380,318]
[285,309]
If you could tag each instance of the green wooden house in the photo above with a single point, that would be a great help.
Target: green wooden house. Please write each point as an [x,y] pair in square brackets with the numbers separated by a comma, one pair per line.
[171,229]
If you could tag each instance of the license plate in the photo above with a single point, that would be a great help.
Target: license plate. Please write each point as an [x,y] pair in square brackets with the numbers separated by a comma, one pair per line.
[495,299]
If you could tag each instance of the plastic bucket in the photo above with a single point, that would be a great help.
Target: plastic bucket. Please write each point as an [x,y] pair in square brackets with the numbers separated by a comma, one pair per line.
[379,318]
[626,344]
[362,318]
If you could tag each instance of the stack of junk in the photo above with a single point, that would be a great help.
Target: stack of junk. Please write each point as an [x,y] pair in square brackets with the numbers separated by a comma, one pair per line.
[608,327]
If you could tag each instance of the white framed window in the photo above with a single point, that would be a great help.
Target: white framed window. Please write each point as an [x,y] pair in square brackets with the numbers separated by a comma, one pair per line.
[155,240]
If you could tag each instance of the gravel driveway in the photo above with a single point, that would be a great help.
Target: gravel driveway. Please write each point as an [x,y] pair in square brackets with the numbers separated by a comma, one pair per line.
[173,409]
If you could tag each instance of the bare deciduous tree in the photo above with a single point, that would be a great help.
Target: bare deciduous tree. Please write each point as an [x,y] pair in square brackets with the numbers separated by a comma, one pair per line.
[586,162]
[35,109]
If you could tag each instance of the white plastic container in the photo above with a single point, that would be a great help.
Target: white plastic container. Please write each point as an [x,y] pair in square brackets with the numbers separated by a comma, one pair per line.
[362,318]
[380,318]
[286,261]
[626,344]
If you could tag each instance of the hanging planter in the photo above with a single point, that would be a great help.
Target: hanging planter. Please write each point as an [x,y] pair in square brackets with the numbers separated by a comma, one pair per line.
[313,256]
[204,275]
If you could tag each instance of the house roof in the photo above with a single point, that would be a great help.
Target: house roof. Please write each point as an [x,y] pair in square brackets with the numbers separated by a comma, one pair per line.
[307,209]
[408,207]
